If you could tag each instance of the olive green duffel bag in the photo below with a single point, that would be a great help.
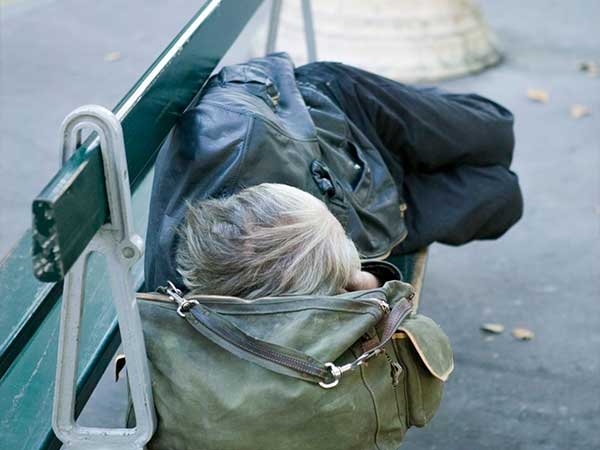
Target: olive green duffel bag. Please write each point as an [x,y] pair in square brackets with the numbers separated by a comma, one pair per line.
[351,371]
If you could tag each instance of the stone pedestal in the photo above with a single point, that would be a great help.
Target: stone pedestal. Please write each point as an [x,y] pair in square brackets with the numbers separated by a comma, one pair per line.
[407,40]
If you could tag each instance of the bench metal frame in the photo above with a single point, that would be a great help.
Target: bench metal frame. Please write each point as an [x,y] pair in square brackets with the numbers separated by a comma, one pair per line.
[118,242]
[309,29]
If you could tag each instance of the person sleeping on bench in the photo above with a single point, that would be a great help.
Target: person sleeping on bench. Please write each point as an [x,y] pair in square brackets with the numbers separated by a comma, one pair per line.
[398,167]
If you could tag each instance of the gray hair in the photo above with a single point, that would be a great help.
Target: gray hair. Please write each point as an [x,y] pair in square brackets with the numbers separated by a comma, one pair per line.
[266,240]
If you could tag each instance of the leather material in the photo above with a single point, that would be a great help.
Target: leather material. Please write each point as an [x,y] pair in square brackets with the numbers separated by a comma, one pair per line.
[255,124]
[433,351]
[210,398]
[280,359]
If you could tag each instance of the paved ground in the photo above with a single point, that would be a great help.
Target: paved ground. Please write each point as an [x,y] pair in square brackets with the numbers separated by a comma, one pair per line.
[544,274]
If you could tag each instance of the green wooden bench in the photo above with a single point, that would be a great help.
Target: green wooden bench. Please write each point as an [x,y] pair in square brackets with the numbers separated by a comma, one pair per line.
[69,213]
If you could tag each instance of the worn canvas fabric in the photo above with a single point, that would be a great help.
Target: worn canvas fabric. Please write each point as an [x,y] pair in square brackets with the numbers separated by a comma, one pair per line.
[209,398]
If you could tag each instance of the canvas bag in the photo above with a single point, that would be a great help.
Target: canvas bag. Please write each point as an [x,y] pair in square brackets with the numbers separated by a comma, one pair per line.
[228,373]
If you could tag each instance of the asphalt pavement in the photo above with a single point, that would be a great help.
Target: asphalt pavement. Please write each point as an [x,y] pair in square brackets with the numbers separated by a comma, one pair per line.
[543,275]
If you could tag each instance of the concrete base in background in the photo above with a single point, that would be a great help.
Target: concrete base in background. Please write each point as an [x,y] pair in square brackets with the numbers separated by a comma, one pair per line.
[406,40]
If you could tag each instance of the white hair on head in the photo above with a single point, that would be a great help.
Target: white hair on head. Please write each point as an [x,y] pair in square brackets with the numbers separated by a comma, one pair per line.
[266,240]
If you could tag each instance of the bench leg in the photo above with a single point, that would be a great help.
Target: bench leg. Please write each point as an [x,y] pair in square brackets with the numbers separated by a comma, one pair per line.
[309,29]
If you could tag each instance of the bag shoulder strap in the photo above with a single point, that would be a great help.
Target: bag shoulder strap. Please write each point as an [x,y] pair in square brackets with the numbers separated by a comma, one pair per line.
[277,358]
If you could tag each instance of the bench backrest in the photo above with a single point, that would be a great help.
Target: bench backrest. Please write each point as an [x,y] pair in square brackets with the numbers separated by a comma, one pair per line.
[68,213]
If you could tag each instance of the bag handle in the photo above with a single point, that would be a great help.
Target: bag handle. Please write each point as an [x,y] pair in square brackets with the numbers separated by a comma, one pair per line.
[284,360]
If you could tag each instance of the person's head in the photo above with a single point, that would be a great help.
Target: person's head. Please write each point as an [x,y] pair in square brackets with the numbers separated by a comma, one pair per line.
[266,240]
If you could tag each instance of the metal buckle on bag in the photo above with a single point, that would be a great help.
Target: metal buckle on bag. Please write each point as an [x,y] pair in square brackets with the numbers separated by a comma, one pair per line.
[337,372]
[176,295]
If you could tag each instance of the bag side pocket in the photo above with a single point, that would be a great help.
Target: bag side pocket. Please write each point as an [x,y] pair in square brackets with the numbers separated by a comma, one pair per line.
[390,421]
[424,353]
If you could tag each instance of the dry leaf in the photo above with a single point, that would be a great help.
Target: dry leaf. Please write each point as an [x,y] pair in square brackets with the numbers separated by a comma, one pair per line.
[587,66]
[538,95]
[523,334]
[590,67]
[579,111]
[494,328]
[112,56]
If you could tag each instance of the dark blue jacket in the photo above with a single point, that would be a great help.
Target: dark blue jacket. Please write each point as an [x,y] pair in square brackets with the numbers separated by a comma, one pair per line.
[264,121]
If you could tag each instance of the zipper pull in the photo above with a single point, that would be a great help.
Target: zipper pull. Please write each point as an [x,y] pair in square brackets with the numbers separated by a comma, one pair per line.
[395,370]
[175,294]
[396,373]
[383,305]
[403,208]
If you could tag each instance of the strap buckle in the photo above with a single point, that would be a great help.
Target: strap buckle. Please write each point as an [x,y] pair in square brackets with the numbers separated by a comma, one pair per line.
[175,294]
[338,371]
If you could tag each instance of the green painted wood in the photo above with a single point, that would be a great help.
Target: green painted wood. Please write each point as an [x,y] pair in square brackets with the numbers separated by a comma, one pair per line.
[63,223]
[72,207]
[26,390]
[27,386]
[25,301]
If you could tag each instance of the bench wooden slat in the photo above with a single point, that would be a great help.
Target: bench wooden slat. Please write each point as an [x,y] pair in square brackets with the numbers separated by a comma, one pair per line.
[72,207]
[26,391]
[25,301]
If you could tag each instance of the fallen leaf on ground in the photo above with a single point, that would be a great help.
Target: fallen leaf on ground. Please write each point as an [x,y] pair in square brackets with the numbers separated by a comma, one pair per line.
[579,111]
[590,67]
[538,95]
[494,328]
[112,56]
[546,288]
[523,334]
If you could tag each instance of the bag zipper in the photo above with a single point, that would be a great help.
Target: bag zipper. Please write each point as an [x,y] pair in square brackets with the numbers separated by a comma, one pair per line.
[383,305]
[164,298]
[328,373]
